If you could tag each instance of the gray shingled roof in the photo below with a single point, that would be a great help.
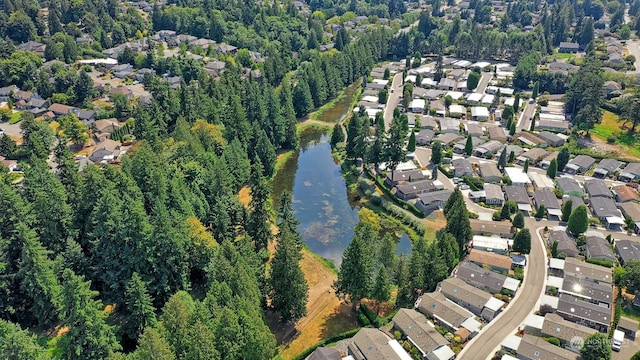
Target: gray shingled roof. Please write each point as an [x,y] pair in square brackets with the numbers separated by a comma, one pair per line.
[415,326]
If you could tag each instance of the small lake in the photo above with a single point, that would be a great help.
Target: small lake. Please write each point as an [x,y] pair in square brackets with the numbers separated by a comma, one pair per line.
[320,196]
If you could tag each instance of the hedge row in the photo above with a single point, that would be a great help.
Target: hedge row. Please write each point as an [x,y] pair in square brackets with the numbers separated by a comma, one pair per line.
[600,262]
[616,317]
[446,172]
[338,337]
[416,225]
[376,320]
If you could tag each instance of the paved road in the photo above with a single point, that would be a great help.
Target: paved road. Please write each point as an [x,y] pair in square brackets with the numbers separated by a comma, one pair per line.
[634,49]
[484,82]
[524,123]
[395,92]
[484,345]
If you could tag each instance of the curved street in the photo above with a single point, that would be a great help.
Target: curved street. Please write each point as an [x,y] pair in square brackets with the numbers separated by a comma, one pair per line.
[484,345]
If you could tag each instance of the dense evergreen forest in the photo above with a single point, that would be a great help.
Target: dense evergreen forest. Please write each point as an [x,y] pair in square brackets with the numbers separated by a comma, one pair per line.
[157,258]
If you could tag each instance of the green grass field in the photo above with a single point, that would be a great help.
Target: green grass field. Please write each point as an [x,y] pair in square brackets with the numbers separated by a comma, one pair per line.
[611,127]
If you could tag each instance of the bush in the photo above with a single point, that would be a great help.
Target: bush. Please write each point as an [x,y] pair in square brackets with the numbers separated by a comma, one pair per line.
[445,172]
[552,340]
[376,200]
[474,183]
[600,262]
[362,318]
[616,317]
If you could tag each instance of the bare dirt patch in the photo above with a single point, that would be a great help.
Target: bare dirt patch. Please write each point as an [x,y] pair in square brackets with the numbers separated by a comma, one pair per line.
[327,316]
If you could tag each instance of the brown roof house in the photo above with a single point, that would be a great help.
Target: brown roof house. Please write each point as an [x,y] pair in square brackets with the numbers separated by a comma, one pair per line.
[121,90]
[106,126]
[105,150]
[496,262]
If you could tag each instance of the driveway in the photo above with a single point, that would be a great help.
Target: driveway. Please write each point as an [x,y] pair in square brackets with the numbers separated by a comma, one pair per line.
[485,344]
[12,130]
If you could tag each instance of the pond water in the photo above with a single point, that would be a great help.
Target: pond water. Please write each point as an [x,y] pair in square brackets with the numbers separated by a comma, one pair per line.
[404,245]
[341,108]
[320,197]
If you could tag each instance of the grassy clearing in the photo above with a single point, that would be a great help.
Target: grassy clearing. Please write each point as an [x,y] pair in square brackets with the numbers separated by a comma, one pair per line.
[281,160]
[610,126]
[15,118]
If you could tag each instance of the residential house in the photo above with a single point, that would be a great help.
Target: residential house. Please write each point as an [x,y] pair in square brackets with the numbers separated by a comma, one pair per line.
[165,35]
[33,46]
[502,229]
[629,327]
[517,150]
[547,198]
[447,139]
[565,331]
[433,200]
[473,129]
[173,81]
[630,172]
[488,149]
[631,210]
[520,196]
[484,279]
[587,272]
[400,177]
[140,74]
[373,344]
[494,261]
[417,105]
[552,139]
[596,293]
[583,312]
[544,164]
[579,164]
[86,116]
[325,353]
[457,111]
[7,91]
[535,348]
[106,126]
[607,167]
[489,172]
[120,90]
[606,211]
[36,103]
[566,245]
[105,150]
[122,71]
[475,300]
[462,167]
[22,95]
[492,244]
[493,195]
[60,109]
[497,133]
[563,68]
[420,332]
[459,147]
[428,122]
[534,155]
[542,181]
[449,125]
[518,177]
[624,193]
[443,311]
[215,67]
[568,47]
[627,250]
[569,186]
[598,247]
[226,49]
[411,190]
[447,84]
[479,113]
[597,188]
[530,139]
[424,137]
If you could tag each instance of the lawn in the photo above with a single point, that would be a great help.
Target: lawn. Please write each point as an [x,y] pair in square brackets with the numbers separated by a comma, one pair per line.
[15,118]
[611,127]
